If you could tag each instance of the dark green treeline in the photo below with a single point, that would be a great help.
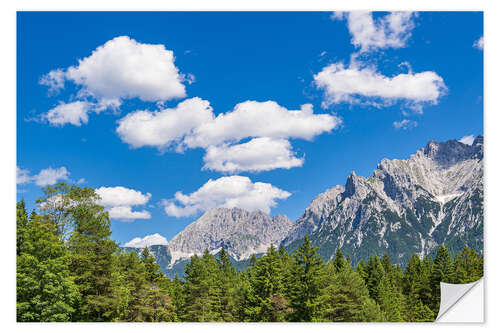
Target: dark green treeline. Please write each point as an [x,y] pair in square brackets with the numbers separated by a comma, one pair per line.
[68,269]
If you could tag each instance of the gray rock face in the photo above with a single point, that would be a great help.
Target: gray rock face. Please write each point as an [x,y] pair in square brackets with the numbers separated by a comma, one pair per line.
[240,232]
[406,206]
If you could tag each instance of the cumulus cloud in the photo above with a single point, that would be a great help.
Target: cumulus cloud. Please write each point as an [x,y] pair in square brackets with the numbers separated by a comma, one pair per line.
[125,213]
[147,241]
[51,176]
[54,80]
[164,128]
[389,31]
[74,113]
[260,154]
[262,119]
[121,196]
[123,68]
[229,192]
[119,200]
[22,176]
[192,124]
[405,124]
[468,140]
[479,44]
[355,84]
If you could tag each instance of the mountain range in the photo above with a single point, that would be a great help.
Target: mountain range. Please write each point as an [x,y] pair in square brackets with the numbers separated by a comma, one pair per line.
[404,207]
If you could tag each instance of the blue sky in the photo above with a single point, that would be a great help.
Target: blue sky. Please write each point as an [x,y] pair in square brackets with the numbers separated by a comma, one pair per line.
[374,85]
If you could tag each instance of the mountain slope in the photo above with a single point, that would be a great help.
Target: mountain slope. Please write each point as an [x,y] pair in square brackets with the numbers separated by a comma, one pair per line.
[240,232]
[406,206]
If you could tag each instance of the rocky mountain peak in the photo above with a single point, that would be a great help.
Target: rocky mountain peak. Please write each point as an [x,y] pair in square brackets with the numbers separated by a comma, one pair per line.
[478,141]
[452,152]
[240,232]
[404,207]
[350,185]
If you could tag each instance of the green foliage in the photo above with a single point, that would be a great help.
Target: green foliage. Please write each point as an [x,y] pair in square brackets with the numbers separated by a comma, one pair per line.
[21,226]
[346,298]
[307,273]
[69,269]
[153,272]
[45,288]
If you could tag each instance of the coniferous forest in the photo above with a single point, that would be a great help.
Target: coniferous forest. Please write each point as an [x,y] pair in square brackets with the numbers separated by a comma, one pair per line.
[69,269]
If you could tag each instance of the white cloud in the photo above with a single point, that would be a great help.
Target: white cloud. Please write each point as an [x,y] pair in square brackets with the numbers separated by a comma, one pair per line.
[262,119]
[390,31]
[119,200]
[80,181]
[405,124]
[229,192]
[54,80]
[22,176]
[192,124]
[125,213]
[121,196]
[260,154]
[74,113]
[149,240]
[123,68]
[51,176]
[468,140]
[355,84]
[479,44]
[164,128]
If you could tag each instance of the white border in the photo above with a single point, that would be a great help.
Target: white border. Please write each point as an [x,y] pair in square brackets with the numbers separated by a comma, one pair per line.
[8,139]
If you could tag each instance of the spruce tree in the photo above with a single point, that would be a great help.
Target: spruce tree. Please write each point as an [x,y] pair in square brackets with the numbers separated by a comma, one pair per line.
[92,259]
[339,262]
[226,285]
[153,271]
[307,275]
[442,271]
[468,266]
[21,226]
[346,298]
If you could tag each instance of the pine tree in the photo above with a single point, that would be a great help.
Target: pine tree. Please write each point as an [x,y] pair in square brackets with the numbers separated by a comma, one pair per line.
[92,259]
[153,271]
[268,285]
[375,273]
[157,306]
[417,311]
[468,266]
[202,294]
[442,271]
[346,298]
[21,226]
[132,286]
[361,269]
[226,285]
[307,274]
[386,263]
[178,297]
[339,262]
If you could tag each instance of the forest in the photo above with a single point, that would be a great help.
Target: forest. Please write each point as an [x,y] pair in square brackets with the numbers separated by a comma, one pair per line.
[70,270]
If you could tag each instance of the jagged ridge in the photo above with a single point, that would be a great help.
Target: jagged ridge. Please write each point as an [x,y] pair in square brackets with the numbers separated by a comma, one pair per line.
[406,206]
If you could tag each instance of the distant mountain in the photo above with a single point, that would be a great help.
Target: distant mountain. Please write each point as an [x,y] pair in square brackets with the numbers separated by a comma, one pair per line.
[240,232]
[161,253]
[406,206]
